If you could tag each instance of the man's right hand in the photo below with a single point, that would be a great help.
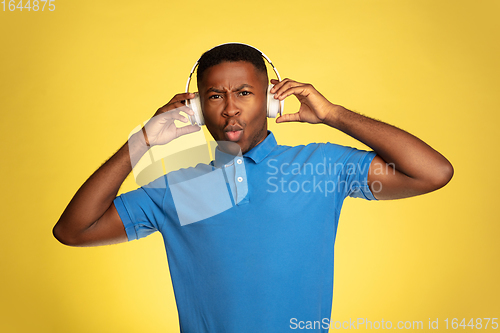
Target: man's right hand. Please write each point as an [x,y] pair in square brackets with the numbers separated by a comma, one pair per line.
[91,218]
[161,128]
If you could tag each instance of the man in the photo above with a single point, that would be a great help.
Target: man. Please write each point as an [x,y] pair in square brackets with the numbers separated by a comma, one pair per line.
[264,259]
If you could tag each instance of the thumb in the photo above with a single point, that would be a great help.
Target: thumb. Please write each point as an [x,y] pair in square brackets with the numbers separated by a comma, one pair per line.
[289,117]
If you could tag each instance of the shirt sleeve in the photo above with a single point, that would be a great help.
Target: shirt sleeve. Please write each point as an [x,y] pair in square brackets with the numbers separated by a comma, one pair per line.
[141,210]
[351,168]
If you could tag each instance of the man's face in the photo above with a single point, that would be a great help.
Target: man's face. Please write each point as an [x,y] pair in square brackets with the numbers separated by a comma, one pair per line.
[234,103]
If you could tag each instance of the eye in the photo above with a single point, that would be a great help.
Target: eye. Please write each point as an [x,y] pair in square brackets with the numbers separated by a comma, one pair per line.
[245,93]
[215,97]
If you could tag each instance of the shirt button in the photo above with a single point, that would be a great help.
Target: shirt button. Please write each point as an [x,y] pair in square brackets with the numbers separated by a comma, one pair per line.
[240,179]
[239,161]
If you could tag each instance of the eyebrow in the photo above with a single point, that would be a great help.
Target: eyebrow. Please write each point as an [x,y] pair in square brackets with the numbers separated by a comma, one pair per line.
[243,86]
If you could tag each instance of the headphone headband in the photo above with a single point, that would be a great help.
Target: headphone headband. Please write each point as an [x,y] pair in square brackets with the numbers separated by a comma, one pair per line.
[261,53]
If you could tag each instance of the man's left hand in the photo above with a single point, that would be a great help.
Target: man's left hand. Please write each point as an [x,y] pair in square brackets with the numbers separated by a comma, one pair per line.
[314,107]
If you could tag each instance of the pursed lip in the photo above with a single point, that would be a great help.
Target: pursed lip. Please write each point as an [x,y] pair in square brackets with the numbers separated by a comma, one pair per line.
[233,132]
[233,128]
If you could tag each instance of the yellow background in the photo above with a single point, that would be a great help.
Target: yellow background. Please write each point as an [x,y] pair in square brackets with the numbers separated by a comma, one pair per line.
[76,81]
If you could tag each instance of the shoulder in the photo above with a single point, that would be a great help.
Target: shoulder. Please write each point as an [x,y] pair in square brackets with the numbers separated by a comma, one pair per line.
[310,153]
[320,153]
[311,147]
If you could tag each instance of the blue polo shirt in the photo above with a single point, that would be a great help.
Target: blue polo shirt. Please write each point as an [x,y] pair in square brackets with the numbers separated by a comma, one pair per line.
[250,239]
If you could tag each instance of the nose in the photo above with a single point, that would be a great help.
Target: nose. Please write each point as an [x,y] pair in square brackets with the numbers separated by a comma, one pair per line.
[231,108]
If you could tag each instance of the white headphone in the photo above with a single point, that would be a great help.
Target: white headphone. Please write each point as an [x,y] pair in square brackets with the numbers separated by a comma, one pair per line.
[274,106]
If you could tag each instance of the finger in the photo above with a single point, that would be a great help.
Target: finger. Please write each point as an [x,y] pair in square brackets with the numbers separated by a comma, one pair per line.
[283,83]
[163,116]
[187,129]
[187,109]
[184,108]
[279,84]
[298,90]
[174,114]
[179,105]
[276,84]
[181,97]
[287,85]
[289,117]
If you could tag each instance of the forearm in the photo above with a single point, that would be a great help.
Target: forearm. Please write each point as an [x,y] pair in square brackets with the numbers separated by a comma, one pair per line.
[407,153]
[97,194]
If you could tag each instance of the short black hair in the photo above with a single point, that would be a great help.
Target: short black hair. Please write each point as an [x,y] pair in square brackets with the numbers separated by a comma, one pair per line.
[230,52]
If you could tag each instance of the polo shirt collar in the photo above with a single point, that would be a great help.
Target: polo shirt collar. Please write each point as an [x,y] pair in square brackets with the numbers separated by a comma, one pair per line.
[223,159]
[263,149]
[256,154]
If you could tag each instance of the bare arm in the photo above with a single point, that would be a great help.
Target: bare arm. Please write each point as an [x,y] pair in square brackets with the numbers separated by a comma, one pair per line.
[405,166]
[91,219]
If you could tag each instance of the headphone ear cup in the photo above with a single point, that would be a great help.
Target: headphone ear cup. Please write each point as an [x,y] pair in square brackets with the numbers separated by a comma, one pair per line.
[273,105]
[195,105]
